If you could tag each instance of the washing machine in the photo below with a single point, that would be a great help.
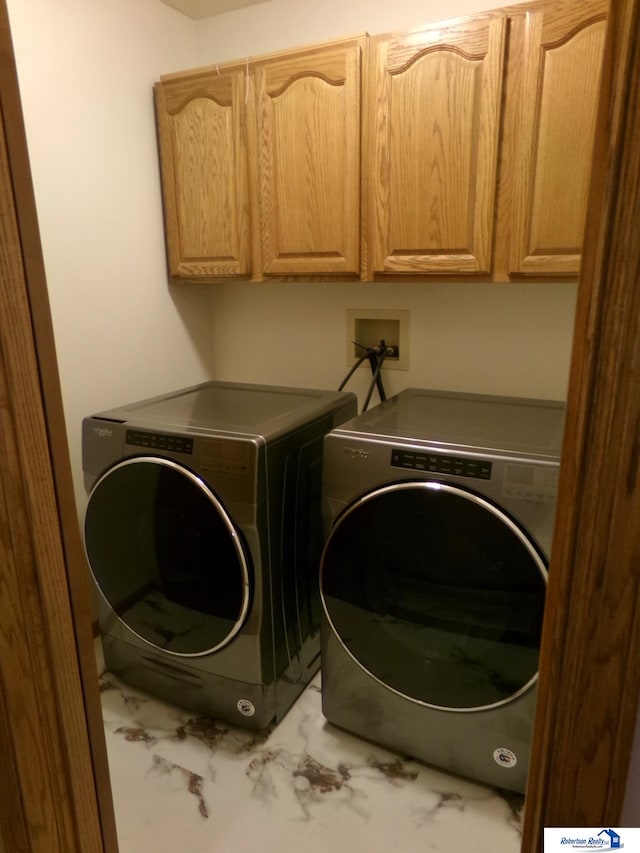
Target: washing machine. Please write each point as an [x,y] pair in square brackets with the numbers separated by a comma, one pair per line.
[203,533]
[439,512]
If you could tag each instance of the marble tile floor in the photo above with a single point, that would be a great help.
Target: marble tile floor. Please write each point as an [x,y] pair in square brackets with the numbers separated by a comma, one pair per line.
[187,783]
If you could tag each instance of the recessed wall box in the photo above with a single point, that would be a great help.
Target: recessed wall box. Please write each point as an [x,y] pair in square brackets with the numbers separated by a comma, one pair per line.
[369,326]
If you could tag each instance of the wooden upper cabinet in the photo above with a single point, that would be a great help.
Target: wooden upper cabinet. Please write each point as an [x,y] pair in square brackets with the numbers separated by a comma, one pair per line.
[456,149]
[202,138]
[431,139]
[552,104]
[260,165]
[308,160]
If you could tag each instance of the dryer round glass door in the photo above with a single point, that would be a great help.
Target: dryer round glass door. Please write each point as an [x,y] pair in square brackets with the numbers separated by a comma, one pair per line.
[166,556]
[437,594]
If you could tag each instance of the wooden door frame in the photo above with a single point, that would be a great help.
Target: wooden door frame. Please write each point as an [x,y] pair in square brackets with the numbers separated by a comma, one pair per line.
[55,789]
[590,659]
[55,794]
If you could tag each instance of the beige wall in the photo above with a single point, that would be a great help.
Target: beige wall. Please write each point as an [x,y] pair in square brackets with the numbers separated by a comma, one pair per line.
[504,339]
[86,73]
[280,24]
[497,339]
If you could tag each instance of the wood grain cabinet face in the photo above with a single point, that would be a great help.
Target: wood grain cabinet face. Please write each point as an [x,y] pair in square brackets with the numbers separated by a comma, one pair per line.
[261,165]
[432,136]
[441,154]
[308,160]
[203,153]
[553,113]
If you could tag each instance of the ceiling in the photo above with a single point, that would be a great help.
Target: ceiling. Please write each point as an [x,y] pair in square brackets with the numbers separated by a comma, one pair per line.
[197,9]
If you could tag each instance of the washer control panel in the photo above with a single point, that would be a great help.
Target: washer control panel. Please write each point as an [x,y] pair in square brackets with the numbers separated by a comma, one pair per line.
[159,441]
[433,463]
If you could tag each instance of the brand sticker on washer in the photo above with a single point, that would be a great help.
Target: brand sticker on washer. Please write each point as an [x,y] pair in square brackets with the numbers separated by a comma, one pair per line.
[505,757]
[246,708]
[356,452]
[102,432]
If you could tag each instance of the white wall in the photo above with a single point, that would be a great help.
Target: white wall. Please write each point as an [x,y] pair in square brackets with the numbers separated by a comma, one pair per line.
[281,24]
[498,339]
[510,339]
[86,71]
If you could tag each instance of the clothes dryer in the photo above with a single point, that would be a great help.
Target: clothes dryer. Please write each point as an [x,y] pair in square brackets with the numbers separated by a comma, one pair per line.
[203,533]
[439,510]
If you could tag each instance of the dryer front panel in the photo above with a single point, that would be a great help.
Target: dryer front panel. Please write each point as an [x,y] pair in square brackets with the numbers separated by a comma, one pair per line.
[166,556]
[436,593]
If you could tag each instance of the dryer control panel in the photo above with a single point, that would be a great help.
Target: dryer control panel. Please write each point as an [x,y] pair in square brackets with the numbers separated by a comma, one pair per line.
[159,441]
[434,463]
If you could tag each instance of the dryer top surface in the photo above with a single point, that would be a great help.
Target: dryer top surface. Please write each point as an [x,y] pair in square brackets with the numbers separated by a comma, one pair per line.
[256,410]
[472,421]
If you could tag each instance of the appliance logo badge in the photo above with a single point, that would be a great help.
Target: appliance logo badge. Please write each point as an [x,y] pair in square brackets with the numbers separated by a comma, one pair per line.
[246,707]
[505,757]
[356,452]
[102,432]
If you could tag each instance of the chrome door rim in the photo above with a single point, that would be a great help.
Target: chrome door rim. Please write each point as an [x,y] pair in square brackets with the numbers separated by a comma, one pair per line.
[450,488]
[233,533]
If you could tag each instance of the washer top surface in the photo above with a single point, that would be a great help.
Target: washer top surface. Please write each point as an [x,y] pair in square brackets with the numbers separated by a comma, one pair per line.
[457,419]
[257,410]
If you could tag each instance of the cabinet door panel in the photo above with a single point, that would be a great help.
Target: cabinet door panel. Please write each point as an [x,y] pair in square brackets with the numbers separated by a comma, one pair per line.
[432,136]
[308,160]
[555,121]
[202,137]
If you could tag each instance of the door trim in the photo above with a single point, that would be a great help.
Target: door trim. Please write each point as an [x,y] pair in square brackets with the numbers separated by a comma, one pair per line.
[590,660]
[58,799]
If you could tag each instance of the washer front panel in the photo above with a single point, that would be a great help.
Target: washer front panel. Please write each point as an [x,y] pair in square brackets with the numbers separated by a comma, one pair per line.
[166,556]
[437,594]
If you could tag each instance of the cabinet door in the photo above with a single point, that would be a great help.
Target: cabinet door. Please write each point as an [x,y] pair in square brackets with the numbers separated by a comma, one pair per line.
[432,131]
[308,160]
[553,114]
[203,154]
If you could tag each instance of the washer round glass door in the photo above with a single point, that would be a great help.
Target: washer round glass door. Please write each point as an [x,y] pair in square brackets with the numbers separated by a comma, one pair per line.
[437,594]
[166,556]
